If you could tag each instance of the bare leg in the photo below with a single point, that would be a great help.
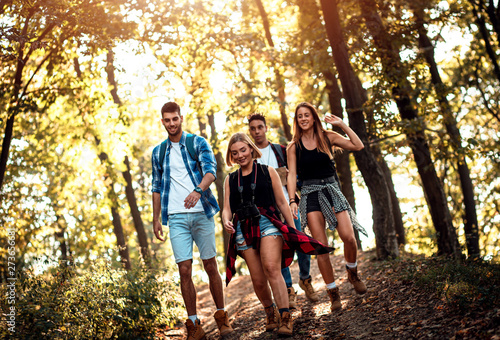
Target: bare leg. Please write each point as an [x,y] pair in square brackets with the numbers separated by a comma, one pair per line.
[215,282]
[270,255]
[187,287]
[259,280]
[316,223]
[346,234]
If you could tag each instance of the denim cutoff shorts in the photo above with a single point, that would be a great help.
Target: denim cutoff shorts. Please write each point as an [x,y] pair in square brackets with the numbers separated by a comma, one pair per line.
[188,227]
[266,229]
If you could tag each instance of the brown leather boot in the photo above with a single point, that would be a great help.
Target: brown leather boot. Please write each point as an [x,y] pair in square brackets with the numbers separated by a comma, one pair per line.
[334,298]
[292,298]
[286,325]
[309,289]
[352,275]
[273,317]
[195,332]
[222,320]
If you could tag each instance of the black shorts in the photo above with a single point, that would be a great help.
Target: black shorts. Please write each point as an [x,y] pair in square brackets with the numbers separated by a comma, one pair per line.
[313,201]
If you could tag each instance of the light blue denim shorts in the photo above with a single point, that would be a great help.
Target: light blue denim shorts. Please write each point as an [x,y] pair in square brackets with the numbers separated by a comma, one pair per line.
[266,229]
[188,227]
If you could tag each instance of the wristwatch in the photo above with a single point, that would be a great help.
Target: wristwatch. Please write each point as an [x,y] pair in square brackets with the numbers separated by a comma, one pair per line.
[198,190]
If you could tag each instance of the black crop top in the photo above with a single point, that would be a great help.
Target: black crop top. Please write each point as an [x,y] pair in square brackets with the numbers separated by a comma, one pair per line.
[313,164]
[263,191]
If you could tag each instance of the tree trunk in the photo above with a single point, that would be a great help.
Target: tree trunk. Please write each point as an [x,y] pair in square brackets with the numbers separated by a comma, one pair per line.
[383,222]
[280,83]
[483,30]
[117,223]
[129,190]
[446,234]
[470,220]
[219,181]
[136,215]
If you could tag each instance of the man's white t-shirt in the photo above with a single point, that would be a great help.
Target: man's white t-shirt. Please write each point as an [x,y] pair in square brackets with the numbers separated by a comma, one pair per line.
[269,158]
[180,184]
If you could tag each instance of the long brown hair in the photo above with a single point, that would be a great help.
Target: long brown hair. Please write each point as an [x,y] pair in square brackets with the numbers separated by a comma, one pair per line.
[323,144]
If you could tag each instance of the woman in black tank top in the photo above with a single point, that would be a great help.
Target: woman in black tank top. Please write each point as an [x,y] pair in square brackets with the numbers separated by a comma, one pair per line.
[310,158]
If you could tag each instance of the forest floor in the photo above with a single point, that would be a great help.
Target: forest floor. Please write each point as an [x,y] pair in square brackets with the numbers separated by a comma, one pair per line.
[393,308]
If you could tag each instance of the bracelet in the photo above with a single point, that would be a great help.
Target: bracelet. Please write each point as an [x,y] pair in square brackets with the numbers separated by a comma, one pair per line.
[292,201]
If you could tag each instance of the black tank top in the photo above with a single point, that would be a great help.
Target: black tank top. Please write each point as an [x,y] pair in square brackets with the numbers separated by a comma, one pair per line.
[313,164]
[263,191]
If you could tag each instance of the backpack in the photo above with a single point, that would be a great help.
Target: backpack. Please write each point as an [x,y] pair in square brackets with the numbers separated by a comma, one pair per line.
[279,151]
[190,148]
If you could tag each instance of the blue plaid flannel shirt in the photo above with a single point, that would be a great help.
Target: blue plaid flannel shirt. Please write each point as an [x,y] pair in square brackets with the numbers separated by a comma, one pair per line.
[161,182]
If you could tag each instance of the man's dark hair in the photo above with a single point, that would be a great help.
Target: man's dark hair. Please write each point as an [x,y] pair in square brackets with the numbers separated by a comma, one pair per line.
[171,107]
[257,116]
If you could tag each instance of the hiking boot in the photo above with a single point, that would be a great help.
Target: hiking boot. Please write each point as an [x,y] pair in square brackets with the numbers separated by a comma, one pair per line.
[273,317]
[223,322]
[309,289]
[352,275]
[286,325]
[292,298]
[334,298]
[195,332]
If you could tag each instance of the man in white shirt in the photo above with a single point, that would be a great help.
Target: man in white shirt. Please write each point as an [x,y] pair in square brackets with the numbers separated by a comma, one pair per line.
[184,166]
[275,155]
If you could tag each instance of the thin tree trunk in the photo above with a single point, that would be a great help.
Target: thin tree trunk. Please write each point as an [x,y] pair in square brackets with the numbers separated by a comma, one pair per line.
[136,215]
[446,234]
[219,181]
[129,190]
[116,219]
[280,83]
[383,222]
[470,220]
[483,30]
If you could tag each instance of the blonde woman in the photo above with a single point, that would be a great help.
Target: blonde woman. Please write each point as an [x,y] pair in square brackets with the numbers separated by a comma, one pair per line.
[253,199]
[310,156]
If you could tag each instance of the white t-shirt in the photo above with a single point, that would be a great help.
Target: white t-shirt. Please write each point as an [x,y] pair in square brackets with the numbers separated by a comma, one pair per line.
[269,158]
[180,184]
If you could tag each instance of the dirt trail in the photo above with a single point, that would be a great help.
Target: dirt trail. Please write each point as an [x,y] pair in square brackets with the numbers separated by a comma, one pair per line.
[391,309]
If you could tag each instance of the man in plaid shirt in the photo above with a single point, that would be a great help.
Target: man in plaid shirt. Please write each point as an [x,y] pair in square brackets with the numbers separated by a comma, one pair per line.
[182,196]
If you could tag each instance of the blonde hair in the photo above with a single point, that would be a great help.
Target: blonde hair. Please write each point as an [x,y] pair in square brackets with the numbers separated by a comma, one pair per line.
[241,137]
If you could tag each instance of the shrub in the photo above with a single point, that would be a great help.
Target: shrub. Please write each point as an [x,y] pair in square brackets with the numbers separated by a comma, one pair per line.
[98,303]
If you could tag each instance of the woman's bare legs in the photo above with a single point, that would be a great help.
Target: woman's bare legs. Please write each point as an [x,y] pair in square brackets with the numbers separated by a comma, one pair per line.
[316,223]
[259,279]
[270,255]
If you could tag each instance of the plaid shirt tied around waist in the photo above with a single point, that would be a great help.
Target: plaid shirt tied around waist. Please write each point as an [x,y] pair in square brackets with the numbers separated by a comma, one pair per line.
[293,240]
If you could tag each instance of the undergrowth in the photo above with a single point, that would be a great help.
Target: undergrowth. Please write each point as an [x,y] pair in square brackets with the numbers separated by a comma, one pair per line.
[466,285]
[99,302]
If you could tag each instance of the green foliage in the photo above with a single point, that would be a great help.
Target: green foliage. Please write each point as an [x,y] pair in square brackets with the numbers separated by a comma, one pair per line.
[95,303]
[469,285]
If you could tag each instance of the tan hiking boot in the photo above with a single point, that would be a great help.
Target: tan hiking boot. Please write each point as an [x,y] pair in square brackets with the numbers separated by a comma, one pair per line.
[273,317]
[352,275]
[286,325]
[292,298]
[334,298]
[223,322]
[195,332]
[309,289]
